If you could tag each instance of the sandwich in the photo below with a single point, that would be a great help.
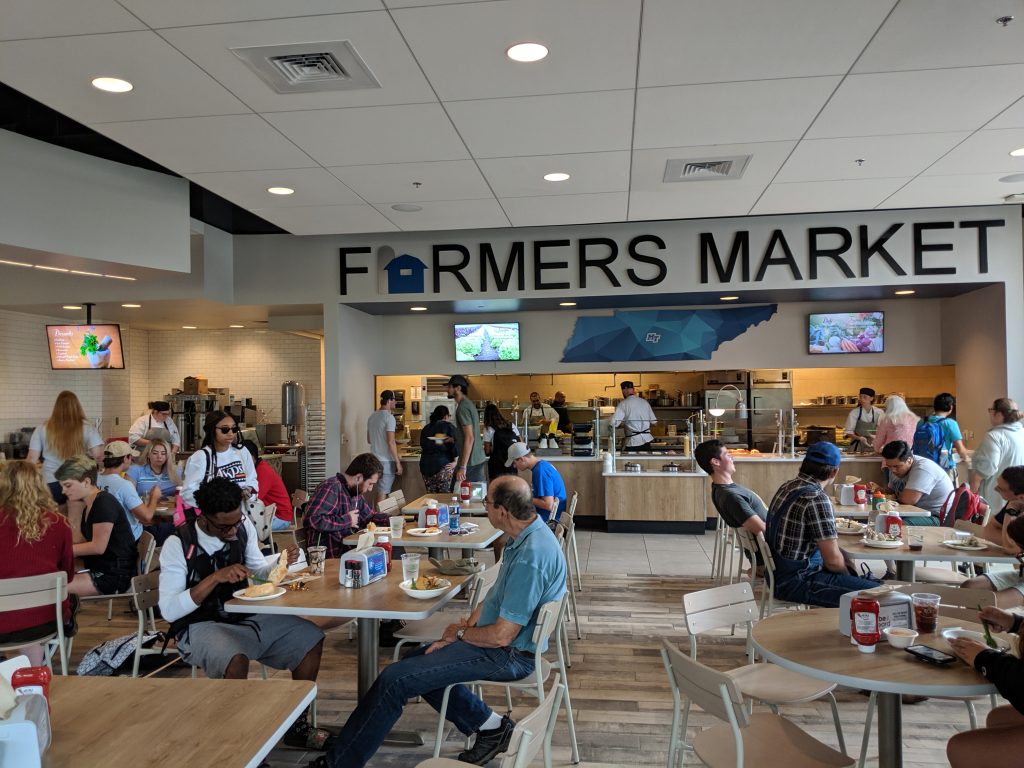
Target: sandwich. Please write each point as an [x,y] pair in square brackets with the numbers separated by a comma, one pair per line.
[279,571]
[260,590]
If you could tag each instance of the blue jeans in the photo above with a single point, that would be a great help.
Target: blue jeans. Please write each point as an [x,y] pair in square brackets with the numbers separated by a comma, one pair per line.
[426,675]
[807,581]
[277,524]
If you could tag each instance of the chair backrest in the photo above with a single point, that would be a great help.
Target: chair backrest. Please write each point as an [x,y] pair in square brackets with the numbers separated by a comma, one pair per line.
[719,607]
[146,546]
[487,579]
[34,592]
[387,506]
[748,543]
[154,561]
[767,559]
[531,731]
[146,591]
[712,691]
[955,602]
[573,500]
[547,620]
[398,497]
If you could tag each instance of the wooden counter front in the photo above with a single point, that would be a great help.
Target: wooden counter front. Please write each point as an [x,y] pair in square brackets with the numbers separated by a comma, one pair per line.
[660,504]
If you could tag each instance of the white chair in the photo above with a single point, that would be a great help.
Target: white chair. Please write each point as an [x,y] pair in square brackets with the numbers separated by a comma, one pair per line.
[562,533]
[548,619]
[569,520]
[733,604]
[768,600]
[387,507]
[37,592]
[743,739]
[530,734]
[398,497]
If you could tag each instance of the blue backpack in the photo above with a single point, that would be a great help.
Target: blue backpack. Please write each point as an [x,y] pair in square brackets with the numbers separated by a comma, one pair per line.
[928,439]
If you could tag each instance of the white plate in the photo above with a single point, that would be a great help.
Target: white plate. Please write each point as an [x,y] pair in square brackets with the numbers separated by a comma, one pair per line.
[377,530]
[954,544]
[422,532]
[437,440]
[425,594]
[240,594]
[949,634]
[882,544]
[850,531]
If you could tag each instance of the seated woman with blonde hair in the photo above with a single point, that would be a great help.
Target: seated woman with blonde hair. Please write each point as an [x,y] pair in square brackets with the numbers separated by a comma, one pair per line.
[35,540]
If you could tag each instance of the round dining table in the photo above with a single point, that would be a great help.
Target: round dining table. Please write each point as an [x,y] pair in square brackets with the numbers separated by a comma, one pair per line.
[809,642]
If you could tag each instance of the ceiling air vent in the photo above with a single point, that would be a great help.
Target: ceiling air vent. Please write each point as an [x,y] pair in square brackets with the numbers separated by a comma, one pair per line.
[309,67]
[705,169]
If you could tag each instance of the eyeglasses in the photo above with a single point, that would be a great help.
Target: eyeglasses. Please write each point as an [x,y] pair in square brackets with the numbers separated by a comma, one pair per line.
[224,528]
[228,430]
[488,502]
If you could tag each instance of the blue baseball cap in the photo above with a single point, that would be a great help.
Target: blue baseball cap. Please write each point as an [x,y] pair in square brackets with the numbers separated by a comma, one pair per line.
[825,453]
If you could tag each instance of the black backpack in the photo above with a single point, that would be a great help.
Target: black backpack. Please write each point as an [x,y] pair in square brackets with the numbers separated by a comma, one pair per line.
[504,438]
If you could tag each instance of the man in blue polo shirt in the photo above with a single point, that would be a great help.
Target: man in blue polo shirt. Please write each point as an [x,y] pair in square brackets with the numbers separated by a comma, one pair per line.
[494,643]
[548,487]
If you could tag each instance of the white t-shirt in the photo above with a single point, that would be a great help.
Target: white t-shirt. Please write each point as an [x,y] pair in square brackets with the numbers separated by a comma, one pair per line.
[51,461]
[377,427]
[235,464]
[636,416]
[146,422]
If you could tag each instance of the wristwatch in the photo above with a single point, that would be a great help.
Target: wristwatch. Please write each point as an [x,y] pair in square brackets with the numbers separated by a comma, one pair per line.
[459,634]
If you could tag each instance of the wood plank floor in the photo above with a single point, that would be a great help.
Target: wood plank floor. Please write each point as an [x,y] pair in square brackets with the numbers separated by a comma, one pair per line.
[619,691]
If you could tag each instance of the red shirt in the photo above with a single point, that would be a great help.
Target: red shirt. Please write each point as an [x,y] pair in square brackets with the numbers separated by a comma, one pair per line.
[272,491]
[31,558]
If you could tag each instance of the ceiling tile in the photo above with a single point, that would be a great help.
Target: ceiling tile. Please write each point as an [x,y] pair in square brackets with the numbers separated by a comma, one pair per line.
[209,144]
[59,73]
[366,135]
[728,113]
[940,191]
[1012,117]
[327,219]
[934,34]
[52,18]
[447,180]
[566,209]
[582,57]
[181,13]
[883,156]
[713,41]
[373,35]
[589,173]
[448,214]
[845,195]
[313,186]
[545,125]
[919,102]
[984,152]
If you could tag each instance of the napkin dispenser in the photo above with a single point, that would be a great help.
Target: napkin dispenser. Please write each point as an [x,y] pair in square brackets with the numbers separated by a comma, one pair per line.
[895,609]
[845,494]
[372,563]
[442,517]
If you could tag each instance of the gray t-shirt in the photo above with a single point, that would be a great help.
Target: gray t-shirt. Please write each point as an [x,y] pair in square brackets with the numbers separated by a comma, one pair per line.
[930,480]
[125,493]
[736,504]
[51,461]
[379,424]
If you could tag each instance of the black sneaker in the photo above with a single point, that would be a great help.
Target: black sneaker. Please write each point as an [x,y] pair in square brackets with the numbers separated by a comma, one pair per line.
[71,625]
[489,744]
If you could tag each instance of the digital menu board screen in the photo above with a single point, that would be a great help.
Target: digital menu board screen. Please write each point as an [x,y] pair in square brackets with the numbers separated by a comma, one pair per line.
[84,347]
[846,333]
[479,342]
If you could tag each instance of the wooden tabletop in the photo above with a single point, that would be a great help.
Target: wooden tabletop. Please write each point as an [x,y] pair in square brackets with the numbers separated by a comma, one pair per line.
[933,549]
[481,538]
[231,723]
[326,597]
[810,642]
[862,512]
[414,506]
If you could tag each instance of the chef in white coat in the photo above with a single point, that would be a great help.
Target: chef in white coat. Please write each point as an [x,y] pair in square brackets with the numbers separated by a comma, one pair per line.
[636,417]
[157,422]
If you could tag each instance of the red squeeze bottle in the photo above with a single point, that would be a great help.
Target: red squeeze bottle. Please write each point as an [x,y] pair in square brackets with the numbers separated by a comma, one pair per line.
[864,623]
[465,491]
[32,677]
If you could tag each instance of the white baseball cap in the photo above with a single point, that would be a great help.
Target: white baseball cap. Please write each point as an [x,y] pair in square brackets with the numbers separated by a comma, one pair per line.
[516,451]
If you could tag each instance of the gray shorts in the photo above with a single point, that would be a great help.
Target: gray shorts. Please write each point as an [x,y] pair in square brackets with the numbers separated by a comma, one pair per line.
[387,478]
[280,642]
[1005,580]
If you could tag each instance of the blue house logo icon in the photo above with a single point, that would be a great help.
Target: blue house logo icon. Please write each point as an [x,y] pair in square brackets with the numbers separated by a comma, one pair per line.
[405,274]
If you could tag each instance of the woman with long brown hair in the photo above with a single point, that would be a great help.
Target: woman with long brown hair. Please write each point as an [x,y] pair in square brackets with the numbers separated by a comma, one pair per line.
[35,539]
[65,434]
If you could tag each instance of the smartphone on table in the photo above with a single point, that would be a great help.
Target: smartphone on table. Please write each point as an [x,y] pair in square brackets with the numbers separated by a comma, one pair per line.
[931,655]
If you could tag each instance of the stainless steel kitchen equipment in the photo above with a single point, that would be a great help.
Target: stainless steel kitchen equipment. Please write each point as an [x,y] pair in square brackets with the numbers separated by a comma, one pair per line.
[770,392]
[727,390]
[631,466]
[293,404]
[189,414]
[670,467]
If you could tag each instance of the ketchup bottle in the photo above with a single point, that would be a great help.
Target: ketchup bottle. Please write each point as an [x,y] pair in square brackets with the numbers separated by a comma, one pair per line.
[32,678]
[891,523]
[864,627]
[465,491]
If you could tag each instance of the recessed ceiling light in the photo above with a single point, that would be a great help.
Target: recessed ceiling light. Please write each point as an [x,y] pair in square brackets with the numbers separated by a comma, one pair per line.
[558,176]
[567,303]
[235,325]
[281,190]
[90,274]
[112,84]
[71,306]
[1017,152]
[907,292]
[14,263]
[418,309]
[728,298]
[51,269]
[132,306]
[527,52]
[1013,178]
[406,208]
[189,327]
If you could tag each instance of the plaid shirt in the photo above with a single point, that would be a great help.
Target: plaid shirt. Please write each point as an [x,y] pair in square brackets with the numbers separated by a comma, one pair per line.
[808,520]
[336,511]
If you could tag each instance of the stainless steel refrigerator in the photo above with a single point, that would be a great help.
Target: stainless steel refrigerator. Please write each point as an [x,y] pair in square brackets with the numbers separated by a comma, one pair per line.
[771,396]
[720,391]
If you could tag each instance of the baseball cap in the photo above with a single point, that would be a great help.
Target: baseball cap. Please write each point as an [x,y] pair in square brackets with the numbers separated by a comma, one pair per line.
[825,453]
[118,449]
[458,380]
[516,451]
[626,385]
[386,395]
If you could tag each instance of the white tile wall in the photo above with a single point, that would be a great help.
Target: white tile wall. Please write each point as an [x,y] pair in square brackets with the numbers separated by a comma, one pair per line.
[252,363]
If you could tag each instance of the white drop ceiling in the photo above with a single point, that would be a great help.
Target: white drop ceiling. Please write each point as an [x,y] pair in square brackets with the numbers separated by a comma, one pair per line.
[927,93]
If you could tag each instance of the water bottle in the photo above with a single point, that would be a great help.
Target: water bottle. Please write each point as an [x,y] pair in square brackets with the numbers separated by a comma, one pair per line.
[453,515]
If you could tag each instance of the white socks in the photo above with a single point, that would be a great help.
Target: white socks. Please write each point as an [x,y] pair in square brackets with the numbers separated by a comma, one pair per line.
[491,723]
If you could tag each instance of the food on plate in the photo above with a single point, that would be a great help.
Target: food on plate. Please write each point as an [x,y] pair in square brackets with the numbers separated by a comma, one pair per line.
[371,526]
[965,541]
[877,536]
[428,582]
[260,590]
[432,529]
[439,436]
[279,571]
[846,522]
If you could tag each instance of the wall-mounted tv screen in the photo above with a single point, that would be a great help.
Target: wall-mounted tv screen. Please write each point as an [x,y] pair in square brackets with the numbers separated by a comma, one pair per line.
[479,342]
[84,347]
[846,333]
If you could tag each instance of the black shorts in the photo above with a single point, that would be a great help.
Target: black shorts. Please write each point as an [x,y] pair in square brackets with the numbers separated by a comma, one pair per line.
[28,635]
[110,583]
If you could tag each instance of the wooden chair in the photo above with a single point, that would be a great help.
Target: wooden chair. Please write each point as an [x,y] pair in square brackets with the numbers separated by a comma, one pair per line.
[768,600]
[387,507]
[548,621]
[145,596]
[733,604]
[764,739]
[37,592]
[145,548]
[569,520]
[530,734]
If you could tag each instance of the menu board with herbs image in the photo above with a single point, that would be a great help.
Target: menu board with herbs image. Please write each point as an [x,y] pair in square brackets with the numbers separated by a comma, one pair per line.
[75,347]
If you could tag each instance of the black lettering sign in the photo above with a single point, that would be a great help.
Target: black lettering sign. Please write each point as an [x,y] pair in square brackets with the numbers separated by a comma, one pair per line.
[654,261]
[740,252]
[982,227]
[816,252]
[921,248]
[454,269]
[539,265]
[601,262]
[877,248]
[488,263]
[346,270]
[777,240]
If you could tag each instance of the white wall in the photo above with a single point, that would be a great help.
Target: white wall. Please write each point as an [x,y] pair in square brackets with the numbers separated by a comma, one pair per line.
[354,350]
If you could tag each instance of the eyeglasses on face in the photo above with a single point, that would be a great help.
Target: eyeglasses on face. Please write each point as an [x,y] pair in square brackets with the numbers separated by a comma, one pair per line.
[224,528]
[228,430]
[488,502]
